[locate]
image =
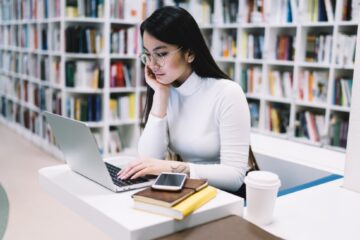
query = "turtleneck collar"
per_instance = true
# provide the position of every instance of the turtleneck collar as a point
(190, 86)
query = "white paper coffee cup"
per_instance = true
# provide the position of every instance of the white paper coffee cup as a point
(261, 193)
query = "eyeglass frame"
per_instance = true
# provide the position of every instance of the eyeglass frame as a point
(157, 58)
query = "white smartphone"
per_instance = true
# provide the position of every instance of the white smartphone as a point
(169, 181)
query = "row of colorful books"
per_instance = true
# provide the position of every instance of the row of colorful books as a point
(25, 9)
(345, 50)
(85, 8)
(251, 80)
(177, 205)
(84, 107)
(339, 127)
(310, 125)
(342, 92)
(125, 41)
(132, 10)
(313, 86)
(84, 75)
(318, 48)
(254, 113)
(277, 117)
(80, 39)
(122, 107)
(121, 75)
(285, 49)
(228, 44)
(280, 84)
(252, 46)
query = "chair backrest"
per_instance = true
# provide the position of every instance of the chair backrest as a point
(252, 161)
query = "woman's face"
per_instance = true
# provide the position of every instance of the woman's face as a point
(175, 65)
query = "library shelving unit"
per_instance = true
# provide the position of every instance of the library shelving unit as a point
(76, 58)
(294, 60)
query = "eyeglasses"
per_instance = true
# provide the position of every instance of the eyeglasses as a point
(158, 58)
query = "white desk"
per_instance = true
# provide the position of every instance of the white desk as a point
(113, 212)
(327, 211)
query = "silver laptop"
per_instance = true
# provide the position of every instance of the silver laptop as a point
(82, 155)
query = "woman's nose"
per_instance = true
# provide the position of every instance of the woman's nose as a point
(153, 65)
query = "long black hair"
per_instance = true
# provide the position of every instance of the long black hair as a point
(174, 25)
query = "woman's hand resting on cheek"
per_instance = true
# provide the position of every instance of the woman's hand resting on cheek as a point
(161, 93)
(150, 79)
(151, 166)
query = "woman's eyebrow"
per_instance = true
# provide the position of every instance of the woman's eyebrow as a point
(157, 48)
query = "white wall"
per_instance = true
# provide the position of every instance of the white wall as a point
(352, 162)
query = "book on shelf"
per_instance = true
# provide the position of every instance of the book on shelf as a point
(125, 40)
(254, 113)
(131, 10)
(252, 46)
(345, 50)
(316, 10)
(85, 8)
(318, 48)
(277, 117)
(115, 143)
(338, 131)
(121, 75)
(285, 48)
(55, 70)
(169, 198)
(182, 209)
(310, 125)
(228, 44)
(203, 10)
(313, 86)
(81, 39)
(84, 107)
(99, 140)
(84, 74)
(280, 84)
(251, 80)
(280, 11)
(122, 107)
(342, 92)
(350, 10)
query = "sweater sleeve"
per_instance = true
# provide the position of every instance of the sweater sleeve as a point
(154, 139)
(234, 128)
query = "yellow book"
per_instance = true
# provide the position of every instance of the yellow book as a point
(244, 46)
(95, 79)
(132, 106)
(275, 121)
(311, 82)
(271, 84)
(71, 11)
(78, 109)
(182, 209)
(113, 105)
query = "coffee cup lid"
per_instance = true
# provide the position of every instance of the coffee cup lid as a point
(262, 179)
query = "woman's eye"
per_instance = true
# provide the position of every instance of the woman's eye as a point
(163, 54)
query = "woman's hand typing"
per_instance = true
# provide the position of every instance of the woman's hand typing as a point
(151, 166)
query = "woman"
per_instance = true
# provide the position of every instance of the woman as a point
(192, 107)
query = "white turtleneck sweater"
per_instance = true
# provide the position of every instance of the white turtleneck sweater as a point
(208, 125)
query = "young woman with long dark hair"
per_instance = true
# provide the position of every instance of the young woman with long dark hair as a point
(192, 108)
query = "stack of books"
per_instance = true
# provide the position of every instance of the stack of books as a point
(179, 204)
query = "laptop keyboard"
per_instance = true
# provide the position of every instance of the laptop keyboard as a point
(113, 170)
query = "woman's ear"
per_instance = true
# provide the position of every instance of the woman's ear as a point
(191, 56)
